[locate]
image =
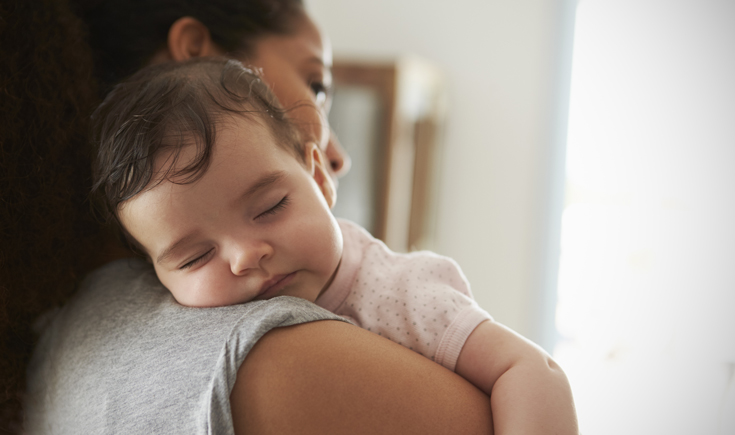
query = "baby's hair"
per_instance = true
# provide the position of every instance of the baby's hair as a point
(168, 107)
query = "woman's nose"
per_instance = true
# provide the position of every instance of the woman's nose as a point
(248, 256)
(339, 160)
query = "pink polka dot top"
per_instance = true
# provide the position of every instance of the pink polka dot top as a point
(419, 300)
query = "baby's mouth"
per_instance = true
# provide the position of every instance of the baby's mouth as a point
(271, 287)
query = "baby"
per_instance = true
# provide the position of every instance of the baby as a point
(213, 185)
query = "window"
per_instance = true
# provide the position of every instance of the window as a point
(646, 295)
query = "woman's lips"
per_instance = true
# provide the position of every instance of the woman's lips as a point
(271, 287)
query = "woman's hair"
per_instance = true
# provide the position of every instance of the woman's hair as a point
(48, 237)
(168, 107)
(125, 34)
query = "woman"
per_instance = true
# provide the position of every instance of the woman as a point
(107, 354)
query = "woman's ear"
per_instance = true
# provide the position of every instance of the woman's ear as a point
(189, 38)
(315, 164)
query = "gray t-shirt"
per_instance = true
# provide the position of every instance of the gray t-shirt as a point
(124, 358)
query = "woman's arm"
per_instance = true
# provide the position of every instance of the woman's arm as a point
(332, 377)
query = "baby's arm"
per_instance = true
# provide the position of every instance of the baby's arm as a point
(529, 393)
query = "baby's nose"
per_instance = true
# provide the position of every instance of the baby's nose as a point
(248, 256)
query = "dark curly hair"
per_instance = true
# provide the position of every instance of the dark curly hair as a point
(171, 106)
(48, 238)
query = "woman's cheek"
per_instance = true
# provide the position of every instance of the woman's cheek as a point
(326, 131)
(312, 123)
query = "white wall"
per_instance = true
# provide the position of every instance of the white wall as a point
(503, 61)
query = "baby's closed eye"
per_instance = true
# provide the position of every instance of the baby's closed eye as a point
(197, 260)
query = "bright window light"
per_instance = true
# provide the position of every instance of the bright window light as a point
(646, 294)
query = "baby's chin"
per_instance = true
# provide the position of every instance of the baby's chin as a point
(297, 293)
(205, 302)
(310, 294)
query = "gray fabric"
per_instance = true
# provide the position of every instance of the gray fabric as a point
(124, 358)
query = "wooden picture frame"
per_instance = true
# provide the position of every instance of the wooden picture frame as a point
(389, 117)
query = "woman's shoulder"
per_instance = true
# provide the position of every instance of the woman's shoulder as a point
(330, 377)
(123, 280)
(123, 356)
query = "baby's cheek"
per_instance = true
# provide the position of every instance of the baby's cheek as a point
(166, 280)
(205, 289)
(178, 290)
(332, 246)
(187, 289)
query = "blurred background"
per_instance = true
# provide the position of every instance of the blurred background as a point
(577, 158)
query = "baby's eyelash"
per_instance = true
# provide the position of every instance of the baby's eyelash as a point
(276, 208)
(196, 261)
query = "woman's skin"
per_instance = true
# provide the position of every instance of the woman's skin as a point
(329, 377)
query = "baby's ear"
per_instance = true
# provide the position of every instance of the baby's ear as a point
(315, 164)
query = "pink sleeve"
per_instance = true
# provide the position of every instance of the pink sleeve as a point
(423, 302)
(458, 313)
(456, 335)
(419, 300)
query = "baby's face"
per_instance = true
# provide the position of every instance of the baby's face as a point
(256, 225)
